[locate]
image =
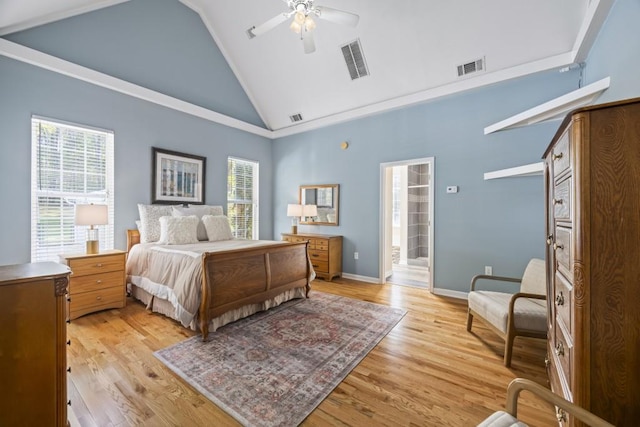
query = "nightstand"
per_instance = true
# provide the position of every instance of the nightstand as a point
(97, 282)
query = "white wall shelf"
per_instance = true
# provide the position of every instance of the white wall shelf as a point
(526, 170)
(555, 109)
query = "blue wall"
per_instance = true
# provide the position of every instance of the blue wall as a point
(138, 125)
(498, 222)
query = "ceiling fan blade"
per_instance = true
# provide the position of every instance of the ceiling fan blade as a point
(337, 16)
(270, 24)
(307, 41)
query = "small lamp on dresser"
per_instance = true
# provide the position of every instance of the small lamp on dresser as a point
(92, 215)
(309, 211)
(294, 211)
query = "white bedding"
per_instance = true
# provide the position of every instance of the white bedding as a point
(174, 272)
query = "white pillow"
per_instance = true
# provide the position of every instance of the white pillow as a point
(217, 227)
(150, 221)
(199, 211)
(178, 230)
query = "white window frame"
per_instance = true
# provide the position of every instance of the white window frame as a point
(67, 241)
(254, 201)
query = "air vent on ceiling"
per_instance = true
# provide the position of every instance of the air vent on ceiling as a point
(471, 67)
(354, 58)
(296, 118)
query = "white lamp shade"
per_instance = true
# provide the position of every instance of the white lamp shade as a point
(92, 214)
(309, 210)
(294, 210)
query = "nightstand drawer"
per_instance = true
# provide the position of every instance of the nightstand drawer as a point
(93, 265)
(88, 302)
(96, 282)
(316, 255)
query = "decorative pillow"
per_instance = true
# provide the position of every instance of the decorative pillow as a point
(199, 211)
(178, 230)
(217, 227)
(150, 221)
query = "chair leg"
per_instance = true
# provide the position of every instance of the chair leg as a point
(508, 347)
(469, 320)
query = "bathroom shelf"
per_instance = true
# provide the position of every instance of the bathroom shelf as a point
(526, 170)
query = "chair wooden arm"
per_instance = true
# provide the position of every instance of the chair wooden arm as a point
(519, 384)
(496, 278)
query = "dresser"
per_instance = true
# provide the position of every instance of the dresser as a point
(592, 181)
(325, 252)
(97, 282)
(33, 344)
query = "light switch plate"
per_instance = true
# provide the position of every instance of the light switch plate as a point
(452, 189)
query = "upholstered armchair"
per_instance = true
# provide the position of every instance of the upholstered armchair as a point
(523, 313)
(509, 417)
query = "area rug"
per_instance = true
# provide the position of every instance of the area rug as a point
(275, 367)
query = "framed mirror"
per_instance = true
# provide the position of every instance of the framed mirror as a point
(326, 198)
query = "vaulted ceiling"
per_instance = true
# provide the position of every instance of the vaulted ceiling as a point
(412, 49)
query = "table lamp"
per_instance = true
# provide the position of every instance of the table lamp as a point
(309, 211)
(295, 212)
(91, 215)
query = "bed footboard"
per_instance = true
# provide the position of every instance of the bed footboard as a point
(233, 279)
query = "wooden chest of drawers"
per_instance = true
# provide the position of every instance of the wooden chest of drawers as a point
(592, 181)
(33, 344)
(325, 252)
(97, 282)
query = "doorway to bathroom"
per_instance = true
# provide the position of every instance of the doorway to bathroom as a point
(407, 222)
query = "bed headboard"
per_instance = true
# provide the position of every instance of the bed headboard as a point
(133, 238)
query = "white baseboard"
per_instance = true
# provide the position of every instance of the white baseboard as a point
(361, 278)
(450, 293)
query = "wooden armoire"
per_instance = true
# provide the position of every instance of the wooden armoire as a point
(33, 344)
(592, 180)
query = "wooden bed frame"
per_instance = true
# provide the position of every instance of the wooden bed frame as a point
(235, 278)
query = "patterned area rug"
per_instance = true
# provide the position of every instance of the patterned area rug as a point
(275, 367)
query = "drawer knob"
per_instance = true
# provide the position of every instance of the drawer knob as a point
(98, 281)
(69, 402)
(559, 349)
(561, 415)
(68, 342)
(547, 362)
(69, 369)
(68, 321)
(98, 298)
(557, 201)
(549, 239)
(99, 265)
(556, 156)
(560, 299)
(558, 246)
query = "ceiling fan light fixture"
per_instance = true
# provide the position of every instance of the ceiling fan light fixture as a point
(309, 24)
(295, 27)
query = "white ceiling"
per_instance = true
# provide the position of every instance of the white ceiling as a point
(412, 48)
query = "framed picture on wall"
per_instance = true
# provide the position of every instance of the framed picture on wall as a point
(177, 177)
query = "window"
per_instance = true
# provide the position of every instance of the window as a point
(70, 165)
(242, 198)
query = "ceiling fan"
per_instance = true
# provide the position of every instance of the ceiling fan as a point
(303, 23)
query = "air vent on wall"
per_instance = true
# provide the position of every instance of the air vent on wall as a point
(354, 58)
(471, 67)
(296, 118)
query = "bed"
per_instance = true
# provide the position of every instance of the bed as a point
(206, 285)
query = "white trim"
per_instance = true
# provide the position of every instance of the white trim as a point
(526, 170)
(554, 109)
(383, 218)
(56, 16)
(367, 279)
(193, 5)
(52, 63)
(450, 293)
(596, 14)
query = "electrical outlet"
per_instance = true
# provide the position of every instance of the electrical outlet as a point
(355, 255)
(488, 270)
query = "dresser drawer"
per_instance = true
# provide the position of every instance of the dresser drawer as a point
(95, 282)
(563, 351)
(562, 247)
(563, 300)
(319, 244)
(295, 239)
(320, 266)
(93, 265)
(562, 200)
(560, 155)
(88, 302)
(317, 255)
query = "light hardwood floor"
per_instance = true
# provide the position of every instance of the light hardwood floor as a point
(428, 371)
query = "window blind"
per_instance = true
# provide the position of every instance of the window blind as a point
(70, 165)
(242, 197)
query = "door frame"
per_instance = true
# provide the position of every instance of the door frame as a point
(384, 217)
